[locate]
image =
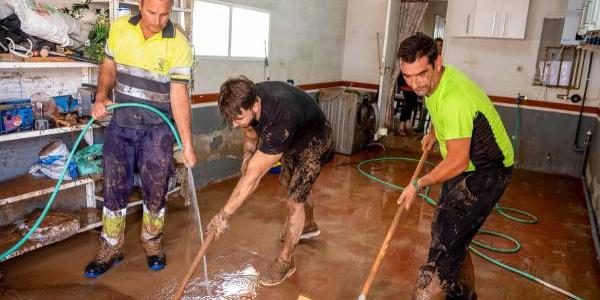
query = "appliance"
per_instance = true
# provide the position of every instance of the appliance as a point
(352, 116)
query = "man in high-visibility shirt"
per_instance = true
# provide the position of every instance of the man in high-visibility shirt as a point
(475, 170)
(147, 61)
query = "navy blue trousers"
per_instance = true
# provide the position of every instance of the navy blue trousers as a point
(150, 151)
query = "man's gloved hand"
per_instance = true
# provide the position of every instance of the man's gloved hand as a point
(219, 223)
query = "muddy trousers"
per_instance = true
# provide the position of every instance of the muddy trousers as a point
(150, 152)
(464, 205)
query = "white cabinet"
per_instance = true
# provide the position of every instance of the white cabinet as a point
(490, 18)
(513, 19)
(487, 16)
(463, 13)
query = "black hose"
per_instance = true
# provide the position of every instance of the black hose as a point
(587, 81)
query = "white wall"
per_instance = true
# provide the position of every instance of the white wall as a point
(506, 67)
(307, 45)
(364, 20)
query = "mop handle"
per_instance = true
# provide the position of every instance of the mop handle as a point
(390, 233)
(197, 259)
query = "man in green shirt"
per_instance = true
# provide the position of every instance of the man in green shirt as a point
(475, 170)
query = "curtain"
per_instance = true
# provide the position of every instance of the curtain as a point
(411, 14)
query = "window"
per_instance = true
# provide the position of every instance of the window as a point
(439, 25)
(230, 31)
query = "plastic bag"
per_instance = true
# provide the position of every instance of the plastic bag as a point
(54, 27)
(53, 158)
(89, 160)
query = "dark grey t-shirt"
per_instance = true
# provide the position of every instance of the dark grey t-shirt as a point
(289, 118)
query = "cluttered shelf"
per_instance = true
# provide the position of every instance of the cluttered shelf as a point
(42, 115)
(26, 186)
(60, 226)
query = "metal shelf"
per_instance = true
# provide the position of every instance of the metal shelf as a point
(26, 187)
(38, 133)
(45, 65)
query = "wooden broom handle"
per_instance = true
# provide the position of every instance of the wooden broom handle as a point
(390, 233)
(195, 263)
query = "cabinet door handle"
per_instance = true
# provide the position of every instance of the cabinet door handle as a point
(493, 24)
(468, 21)
(505, 21)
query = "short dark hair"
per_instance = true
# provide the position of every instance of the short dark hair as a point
(439, 39)
(417, 46)
(235, 94)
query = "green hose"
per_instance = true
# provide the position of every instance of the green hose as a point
(515, 143)
(501, 210)
(37, 223)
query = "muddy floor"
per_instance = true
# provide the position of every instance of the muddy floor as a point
(353, 214)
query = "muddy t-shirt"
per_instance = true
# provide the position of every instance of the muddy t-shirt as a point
(289, 118)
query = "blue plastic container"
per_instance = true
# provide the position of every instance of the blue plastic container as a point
(65, 104)
(15, 115)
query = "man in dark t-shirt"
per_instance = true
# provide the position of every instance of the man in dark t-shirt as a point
(280, 122)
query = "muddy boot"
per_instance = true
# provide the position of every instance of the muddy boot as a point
(277, 272)
(107, 257)
(112, 239)
(152, 231)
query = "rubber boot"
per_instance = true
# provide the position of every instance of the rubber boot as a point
(112, 239)
(152, 232)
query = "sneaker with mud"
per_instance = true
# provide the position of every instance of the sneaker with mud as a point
(310, 231)
(277, 272)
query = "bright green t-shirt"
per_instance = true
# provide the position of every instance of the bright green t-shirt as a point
(460, 109)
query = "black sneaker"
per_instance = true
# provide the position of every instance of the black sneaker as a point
(156, 263)
(97, 268)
